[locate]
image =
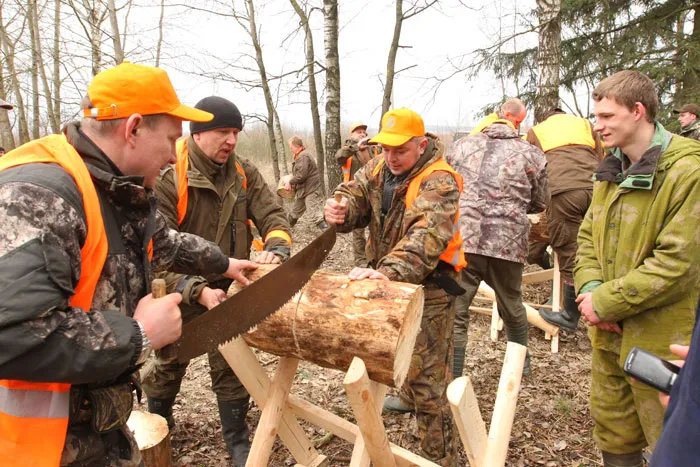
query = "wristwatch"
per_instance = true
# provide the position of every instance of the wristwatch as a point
(145, 346)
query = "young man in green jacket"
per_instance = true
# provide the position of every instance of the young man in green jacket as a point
(638, 259)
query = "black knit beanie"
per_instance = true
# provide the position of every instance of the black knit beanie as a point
(226, 115)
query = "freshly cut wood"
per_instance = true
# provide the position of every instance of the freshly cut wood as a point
(333, 319)
(153, 438)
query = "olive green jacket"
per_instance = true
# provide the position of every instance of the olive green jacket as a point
(639, 246)
(218, 208)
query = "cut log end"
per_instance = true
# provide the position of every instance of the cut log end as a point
(152, 437)
(408, 336)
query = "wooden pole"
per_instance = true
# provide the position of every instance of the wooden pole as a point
(275, 403)
(533, 316)
(369, 420)
(504, 408)
(465, 409)
(152, 437)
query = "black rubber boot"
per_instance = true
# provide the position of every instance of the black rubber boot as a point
(519, 335)
(458, 362)
(164, 408)
(568, 317)
(234, 429)
(633, 459)
(394, 404)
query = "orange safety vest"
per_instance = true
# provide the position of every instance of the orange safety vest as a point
(453, 254)
(181, 167)
(346, 169)
(34, 416)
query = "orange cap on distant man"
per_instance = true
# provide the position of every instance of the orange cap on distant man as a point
(357, 125)
(129, 88)
(399, 126)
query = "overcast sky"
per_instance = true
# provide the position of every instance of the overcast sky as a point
(201, 41)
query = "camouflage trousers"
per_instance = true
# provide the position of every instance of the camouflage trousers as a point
(313, 202)
(86, 448)
(359, 242)
(627, 415)
(565, 213)
(162, 377)
(428, 376)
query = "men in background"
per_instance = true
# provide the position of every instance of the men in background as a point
(504, 180)
(688, 118)
(75, 265)
(573, 151)
(409, 198)
(513, 110)
(306, 183)
(221, 192)
(638, 259)
(354, 154)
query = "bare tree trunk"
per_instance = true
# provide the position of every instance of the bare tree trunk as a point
(313, 95)
(333, 141)
(391, 60)
(95, 41)
(6, 138)
(8, 48)
(56, 122)
(160, 31)
(548, 57)
(116, 37)
(53, 119)
(279, 139)
(253, 31)
(32, 14)
(690, 84)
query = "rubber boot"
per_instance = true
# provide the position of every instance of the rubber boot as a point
(568, 317)
(458, 362)
(519, 335)
(164, 408)
(633, 459)
(234, 429)
(394, 404)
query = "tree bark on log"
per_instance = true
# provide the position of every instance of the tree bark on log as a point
(153, 438)
(333, 319)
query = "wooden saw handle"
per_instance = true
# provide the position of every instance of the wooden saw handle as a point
(168, 352)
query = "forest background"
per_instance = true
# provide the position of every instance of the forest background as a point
(313, 67)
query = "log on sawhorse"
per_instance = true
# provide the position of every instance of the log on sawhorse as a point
(488, 450)
(281, 409)
(533, 316)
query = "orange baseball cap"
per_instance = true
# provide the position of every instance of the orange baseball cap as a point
(357, 125)
(398, 126)
(128, 89)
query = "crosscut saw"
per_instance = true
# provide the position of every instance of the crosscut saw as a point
(240, 312)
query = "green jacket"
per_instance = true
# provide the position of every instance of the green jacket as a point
(218, 208)
(639, 246)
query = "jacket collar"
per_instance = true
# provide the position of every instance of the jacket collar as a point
(616, 167)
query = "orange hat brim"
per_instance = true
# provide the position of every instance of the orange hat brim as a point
(190, 114)
(391, 139)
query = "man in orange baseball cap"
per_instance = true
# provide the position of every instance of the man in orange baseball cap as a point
(76, 262)
(409, 198)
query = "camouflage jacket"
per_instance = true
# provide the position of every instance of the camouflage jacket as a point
(405, 244)
(692, 131)
(44, 226)
(304, 174)
(218, 207)
(504, 180)
(639, 248)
